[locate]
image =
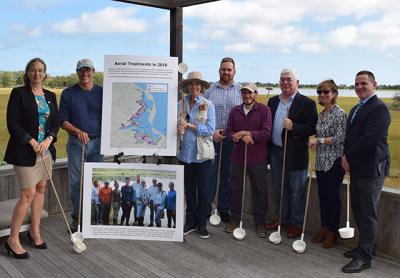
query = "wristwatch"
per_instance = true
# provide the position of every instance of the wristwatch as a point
(51, 137)
(321, 140)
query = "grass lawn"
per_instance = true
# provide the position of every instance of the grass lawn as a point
(345, 102)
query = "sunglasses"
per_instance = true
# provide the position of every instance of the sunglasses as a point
(325, 92)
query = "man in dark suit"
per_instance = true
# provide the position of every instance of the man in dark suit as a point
(297, 115)
(366, 158)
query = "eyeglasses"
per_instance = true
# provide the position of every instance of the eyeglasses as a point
(325, 92)
(84, 69)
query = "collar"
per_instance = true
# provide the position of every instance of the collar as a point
(218, 84)
(368, 98)
(291, 98)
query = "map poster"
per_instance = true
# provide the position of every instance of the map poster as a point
(139, 105)
(133, 201)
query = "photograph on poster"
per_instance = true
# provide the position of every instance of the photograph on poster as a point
(139, 105)
(133, 201)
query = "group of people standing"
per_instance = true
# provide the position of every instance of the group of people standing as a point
(134, 196)
(280, 134)
(224, 121)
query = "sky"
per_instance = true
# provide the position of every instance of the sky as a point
(319, 38)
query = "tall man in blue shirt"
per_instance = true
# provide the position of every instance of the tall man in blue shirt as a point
(224, 94)
(80, 115)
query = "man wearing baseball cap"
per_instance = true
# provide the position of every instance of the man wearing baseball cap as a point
(80, 115)
(249, 126)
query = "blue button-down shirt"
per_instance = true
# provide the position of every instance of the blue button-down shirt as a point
(188, 147)
(281, 112)
(152, 192)
(224, 100)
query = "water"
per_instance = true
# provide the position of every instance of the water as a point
(342, 92)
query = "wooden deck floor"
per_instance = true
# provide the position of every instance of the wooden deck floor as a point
(218, 256)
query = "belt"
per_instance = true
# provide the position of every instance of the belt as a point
(92, 137)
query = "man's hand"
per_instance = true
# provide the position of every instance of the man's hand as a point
(287, 123)
(218, 135)
(345, 164)
(82, 136)
(247, 139)
(237, 136)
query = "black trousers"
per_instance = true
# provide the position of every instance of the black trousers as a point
(258, 179)
(365, 194)
(126, 211)
(330, 198)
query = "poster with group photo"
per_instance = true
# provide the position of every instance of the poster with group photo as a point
(139, 105)
(133, 201)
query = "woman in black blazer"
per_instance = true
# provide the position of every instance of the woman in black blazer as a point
(32, 121)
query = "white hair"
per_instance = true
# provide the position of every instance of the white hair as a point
(291, 72)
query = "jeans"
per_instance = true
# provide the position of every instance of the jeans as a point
(95, 213)
(141, 210)
(225, 174)
(151, 212)
(158, 217)
(171, 214)
(116, 206)
(126, 211)
(105, 209)
(74, 151)
(294, 192)
(330, 199)
(196, 185)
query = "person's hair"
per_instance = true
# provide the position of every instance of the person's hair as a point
(227, 60)
(332, 87)
(27, 82)
(159, 184)
(292, 72)
(95, 182)
(371, 76)
(171, 183)
(127, 178)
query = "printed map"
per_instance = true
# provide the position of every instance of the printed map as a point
(139, 115)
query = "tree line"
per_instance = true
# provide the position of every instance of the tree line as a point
(10, 79)
(15, 78)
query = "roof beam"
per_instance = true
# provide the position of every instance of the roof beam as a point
(162, 4)
(167, 4)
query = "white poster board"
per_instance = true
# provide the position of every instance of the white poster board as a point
(112, 172)
(139, 105)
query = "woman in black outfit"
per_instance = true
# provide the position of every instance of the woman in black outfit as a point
(32, 121)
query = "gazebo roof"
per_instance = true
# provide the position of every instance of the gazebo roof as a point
(167, 4)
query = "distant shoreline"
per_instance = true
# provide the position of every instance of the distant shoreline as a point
(342, 92)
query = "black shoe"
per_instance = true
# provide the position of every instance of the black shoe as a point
(203, 233)
(356, 266)
(24, 255)
(38, 246)
(188, 229)
(225, 217)
(150, 225)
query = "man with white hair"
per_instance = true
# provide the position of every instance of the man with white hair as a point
(297, 115)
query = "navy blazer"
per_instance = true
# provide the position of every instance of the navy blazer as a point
(366, 147)
(23, 122)
(303, 113)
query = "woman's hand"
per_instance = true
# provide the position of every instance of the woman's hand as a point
(42, 147)
(312, 143)
(181, 130)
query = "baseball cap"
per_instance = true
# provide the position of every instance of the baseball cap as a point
(250, 86)
(84, 63)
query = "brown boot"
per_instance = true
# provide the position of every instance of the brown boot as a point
(320, 236)
(330, 240)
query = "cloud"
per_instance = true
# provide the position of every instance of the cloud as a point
(192, 46)
(305, 26)
(107, 20)
(240, 47)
